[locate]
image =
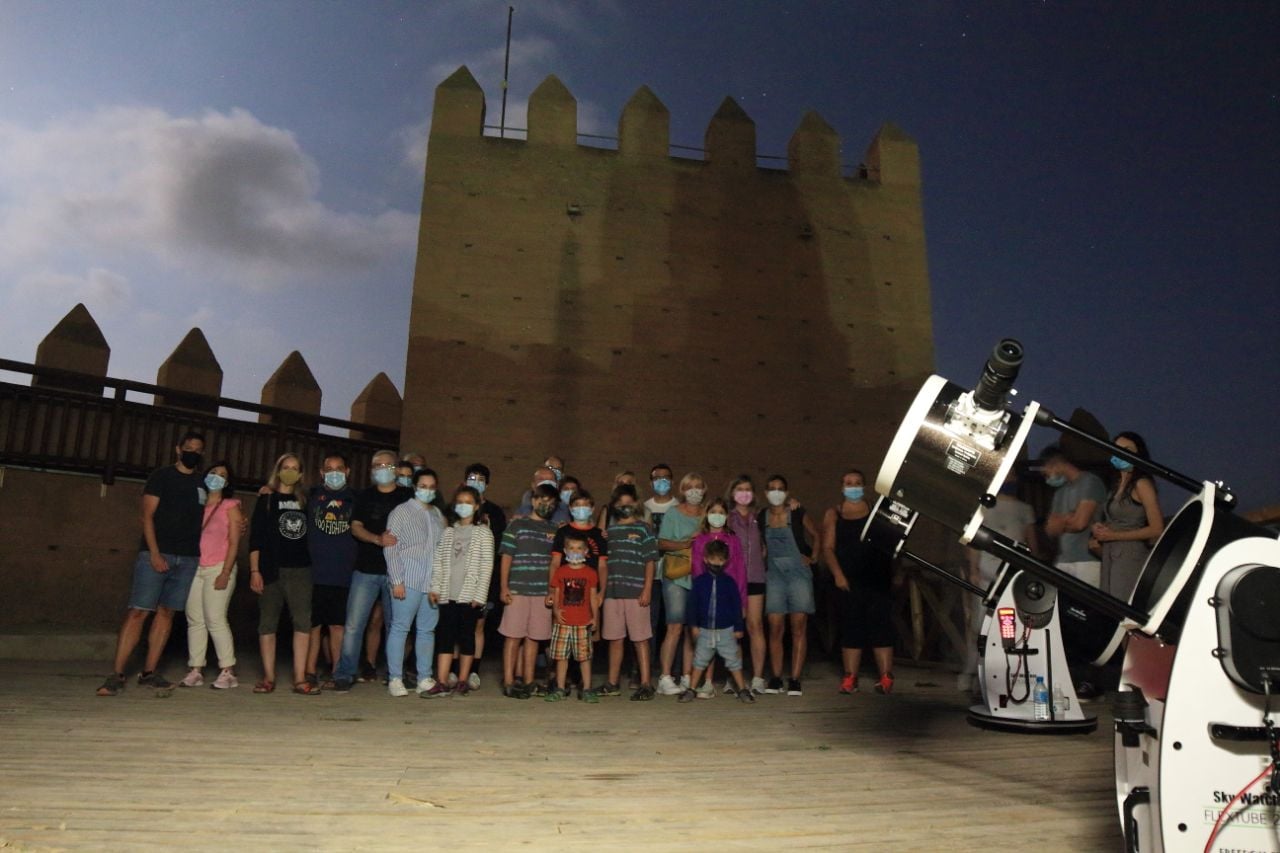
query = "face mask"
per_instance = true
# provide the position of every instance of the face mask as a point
(289, 476)
(557, 472)
(580, 513)
(662, 486)
(624, 510)
(743, 497)
(577, 558)
(404, 480)
(335, 480)
(1056, 481)
(464, 510)
(1121, 464)
(384, 476)
(191, 458)
(565, 496)
(477, 484)
(544, 510)
(694, 496)
(716, 519)
(425, 495)
(715, 568)
(417, 468)
(775, 497)
(214, 482)
(852, 493)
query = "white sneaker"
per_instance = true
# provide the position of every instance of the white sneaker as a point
(396, 687)
(473, 681)
(226, 680)
(706, 691)
(757, 686)
(453, 679)
(425, 685)
(667, 686)
(684, 682)
(195, 678)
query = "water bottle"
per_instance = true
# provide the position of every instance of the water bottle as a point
(1040, 696)
(1059, 701)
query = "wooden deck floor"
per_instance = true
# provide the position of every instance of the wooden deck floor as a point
(229, 770)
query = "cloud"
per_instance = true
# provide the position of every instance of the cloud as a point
(220, 191)
(101, 290)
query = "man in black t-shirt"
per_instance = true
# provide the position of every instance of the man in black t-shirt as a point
(172, 512)
(369, 580)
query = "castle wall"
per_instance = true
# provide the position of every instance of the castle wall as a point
(626, 307)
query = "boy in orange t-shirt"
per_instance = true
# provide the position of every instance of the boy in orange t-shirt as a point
(575, 603)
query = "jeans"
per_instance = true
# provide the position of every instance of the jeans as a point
(414, 606)
(365, 590)
(207, 617)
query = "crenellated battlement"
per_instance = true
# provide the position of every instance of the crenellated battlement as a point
(623, 305)
(814, 149)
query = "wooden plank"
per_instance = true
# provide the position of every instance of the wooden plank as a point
(203, 769)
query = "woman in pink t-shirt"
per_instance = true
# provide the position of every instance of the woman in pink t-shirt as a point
(215, 581)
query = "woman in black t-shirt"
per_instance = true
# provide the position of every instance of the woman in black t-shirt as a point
(280, 571)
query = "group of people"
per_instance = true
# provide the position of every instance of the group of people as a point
(684, 575)
(1099, 534)
(680, 574)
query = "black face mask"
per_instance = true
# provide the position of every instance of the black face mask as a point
(625, 511)
(191, 459)
(544, 510)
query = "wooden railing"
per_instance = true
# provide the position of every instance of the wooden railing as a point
(53, 428)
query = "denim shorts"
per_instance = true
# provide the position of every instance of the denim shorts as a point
(713, 641)
(674, 598)
(164, 589)
(788, 591)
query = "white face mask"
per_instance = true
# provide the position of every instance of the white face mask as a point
(716, 520)
(776, 497)
(694, 496)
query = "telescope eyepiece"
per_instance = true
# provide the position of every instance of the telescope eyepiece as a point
(998, 375)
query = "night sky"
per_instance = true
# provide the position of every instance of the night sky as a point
(1102, 181)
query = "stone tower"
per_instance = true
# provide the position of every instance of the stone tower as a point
(624, 307)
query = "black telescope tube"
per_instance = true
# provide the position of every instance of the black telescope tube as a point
(1044, 417)
(988, 540)
(998, 376)
(946, 575)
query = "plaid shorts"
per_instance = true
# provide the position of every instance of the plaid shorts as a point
(570, 641)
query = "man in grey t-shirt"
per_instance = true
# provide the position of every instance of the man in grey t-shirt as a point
(1077, 503)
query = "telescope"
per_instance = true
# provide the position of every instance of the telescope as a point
(1199, 637)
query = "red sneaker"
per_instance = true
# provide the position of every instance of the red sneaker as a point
(849, 684)
(885, 684)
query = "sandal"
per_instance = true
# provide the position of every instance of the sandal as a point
(264, 686)
(306, 688)
(113, 685)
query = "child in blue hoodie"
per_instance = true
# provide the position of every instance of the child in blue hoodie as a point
(714, 616)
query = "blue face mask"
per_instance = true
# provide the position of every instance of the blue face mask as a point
(576, 558)
(1121, 464)
(1056, 481)
(477, 484)
(214, 482)
(425, 495)
(662, 487)
(565, 496)
(404, 480)
(384, 476)
(335, 480)
(852, 493)
(580, 513)
(462, 510)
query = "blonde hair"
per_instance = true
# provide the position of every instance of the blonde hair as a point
(686, 483)
(274, 482)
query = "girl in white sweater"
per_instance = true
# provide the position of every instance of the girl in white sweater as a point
(460, 585)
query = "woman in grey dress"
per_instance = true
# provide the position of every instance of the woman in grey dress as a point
(1131, 521)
